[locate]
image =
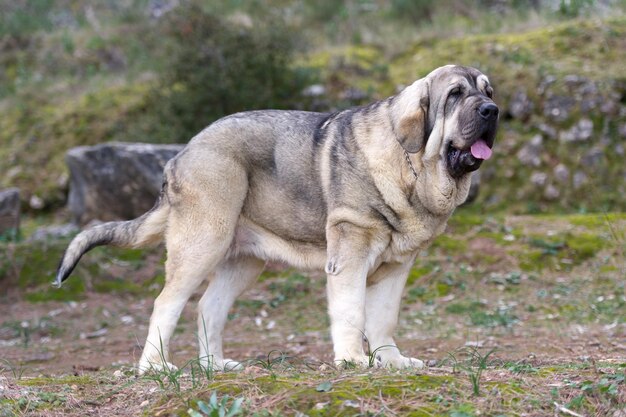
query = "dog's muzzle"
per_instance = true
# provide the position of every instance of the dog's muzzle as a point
(469, 158)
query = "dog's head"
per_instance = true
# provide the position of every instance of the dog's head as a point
(450, 112)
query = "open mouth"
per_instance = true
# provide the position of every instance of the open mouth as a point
(462, 161)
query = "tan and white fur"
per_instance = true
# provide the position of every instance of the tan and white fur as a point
(357, 193)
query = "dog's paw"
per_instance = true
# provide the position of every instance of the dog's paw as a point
(146, 366)
(360, 361)
(228, 365)
(402, 362)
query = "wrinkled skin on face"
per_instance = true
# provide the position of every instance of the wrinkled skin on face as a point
(471, 118)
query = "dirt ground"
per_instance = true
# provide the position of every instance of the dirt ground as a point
(564, 319)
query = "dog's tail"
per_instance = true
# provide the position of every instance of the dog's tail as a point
(143, 231)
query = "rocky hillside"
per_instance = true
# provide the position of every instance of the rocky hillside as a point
(562, 89)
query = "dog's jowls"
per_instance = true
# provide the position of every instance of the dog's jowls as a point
(357, 193)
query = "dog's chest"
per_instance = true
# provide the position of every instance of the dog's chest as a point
(418, 233)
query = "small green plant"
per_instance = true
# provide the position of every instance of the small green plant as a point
(325, 386)
(346, 364)
(606, 389)
(478, 365)
(521, 368)
(474, 366)
(16, 370)
(165, 375)
(206, 371)
(10, 235)
(270, 362)
(226, 407)
(372, 355)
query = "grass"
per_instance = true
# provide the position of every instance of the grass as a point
(530, 307)
(485, 386)
(518, 341)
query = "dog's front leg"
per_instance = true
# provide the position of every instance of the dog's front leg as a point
(349, 254)
(384, 294)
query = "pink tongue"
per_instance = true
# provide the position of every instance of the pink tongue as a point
(480, 150)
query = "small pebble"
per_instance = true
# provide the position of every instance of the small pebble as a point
(323, 367)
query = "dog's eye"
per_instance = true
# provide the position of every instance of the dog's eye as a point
(456, 92)
(489, 92)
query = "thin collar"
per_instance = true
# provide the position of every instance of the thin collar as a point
(408, 159)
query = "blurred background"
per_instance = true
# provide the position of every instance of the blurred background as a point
(534, 267)
(75, 72)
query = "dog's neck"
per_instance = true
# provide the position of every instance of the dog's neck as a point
(437, 191)
(408, 159)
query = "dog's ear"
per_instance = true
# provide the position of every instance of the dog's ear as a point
(410, 116)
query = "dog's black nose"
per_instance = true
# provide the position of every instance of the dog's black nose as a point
(488, 111)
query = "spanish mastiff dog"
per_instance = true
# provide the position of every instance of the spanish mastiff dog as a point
(357, 193)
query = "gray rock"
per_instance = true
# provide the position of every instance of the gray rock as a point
(580, 179)
(115, 181)
(35, 202)
(558, 108)
(530, 153)
(521, 107)
(574, 80)
(354, 94)
(593, 157)
(561, 173)
(548, 130)
(539, 178)
(159, 8)
(547, 81)
(609, 107)
(580, 132)
(9, 211)
(315, 90)
(551, 192)
(590, 104)
(622, 130)
(54, 232)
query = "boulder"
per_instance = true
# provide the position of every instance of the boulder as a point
(9, 211)
(558, 108)
(46, 233)
(530, 153)
(114, 181)
(580, 132)
(521, 107)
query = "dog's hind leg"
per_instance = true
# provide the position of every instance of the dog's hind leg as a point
(190, 260)
(231, 278)
(201, 225)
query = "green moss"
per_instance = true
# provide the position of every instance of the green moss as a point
(418, 272)
(479, 315)
(38, 134)
(531, 261)
(450, 244)
(32, 266)
(463, 221)
(464, 307)
(585, 245)
(62, 380)
(516, 62)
